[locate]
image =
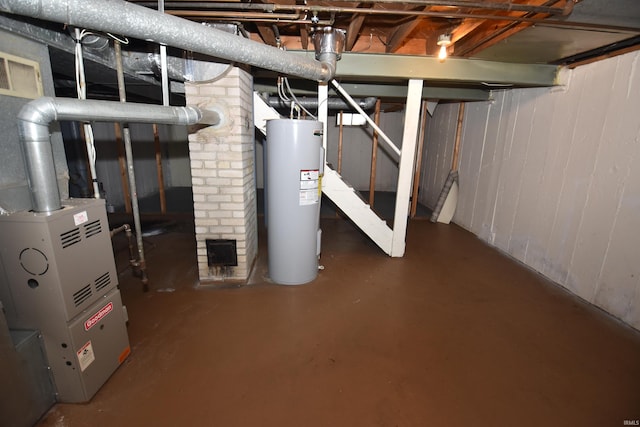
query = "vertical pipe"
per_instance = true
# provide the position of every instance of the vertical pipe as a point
(416, 173)
(323, 112)
(156, 142)
(374, 156)
(165, 101)
(132, 176)
(123, 168)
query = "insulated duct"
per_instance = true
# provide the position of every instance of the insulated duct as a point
(135, 21)
(332, 103)
(33, 127)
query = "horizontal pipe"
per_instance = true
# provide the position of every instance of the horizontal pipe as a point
(242, 17)
(332, 103)
(270, 7)
(33, 128)
(238, 16)
(131, 20)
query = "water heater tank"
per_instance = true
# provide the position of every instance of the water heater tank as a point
(294, 168)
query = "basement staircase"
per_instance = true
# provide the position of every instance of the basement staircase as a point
(345, 197)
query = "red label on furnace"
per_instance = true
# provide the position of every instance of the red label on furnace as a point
(93, 320)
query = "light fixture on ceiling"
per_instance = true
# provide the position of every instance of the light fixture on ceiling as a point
(444, 41)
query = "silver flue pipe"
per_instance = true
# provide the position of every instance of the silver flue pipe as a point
(33, 127)
(131, 20)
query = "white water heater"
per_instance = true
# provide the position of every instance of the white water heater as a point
(294, 169)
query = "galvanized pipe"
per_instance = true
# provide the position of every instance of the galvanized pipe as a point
(133, 188)
(121, 17)
(33, 127)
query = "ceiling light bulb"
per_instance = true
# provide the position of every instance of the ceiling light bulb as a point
(444, 40)
(442, 54)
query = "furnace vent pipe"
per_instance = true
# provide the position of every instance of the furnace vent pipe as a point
(33, 127)
(131, 20)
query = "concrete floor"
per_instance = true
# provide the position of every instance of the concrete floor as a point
(453, 334)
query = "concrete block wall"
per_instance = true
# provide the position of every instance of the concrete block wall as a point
(222, 171)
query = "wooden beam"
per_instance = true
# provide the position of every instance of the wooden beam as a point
(304, 36)
(489, 33)
(123, 168)
(400, 33)
(156, 142)
(267, 34)
(353, 32)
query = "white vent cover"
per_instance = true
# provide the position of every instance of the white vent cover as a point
(19, 77)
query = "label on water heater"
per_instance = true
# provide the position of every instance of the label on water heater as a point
(309, 179)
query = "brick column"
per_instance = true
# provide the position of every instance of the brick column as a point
(222, 171)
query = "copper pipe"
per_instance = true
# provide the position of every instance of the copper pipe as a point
(270, 7)
(268, 16)
(235, 15)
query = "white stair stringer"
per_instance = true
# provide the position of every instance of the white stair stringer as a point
(262, 112)
(350, 202)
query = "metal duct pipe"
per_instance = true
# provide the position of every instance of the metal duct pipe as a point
(332, 103)
(329, 43)
(33, 127)
(135, 21)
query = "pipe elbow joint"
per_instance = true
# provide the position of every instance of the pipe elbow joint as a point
(41, 111)
(328, 71)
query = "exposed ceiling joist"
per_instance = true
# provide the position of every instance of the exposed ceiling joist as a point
(353, 31)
